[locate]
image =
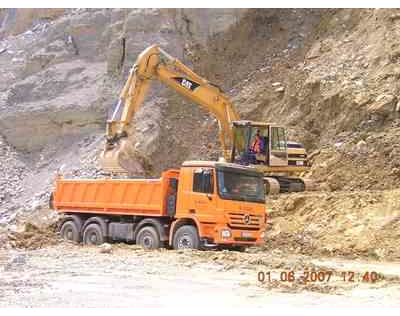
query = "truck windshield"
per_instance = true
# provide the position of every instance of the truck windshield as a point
(233, 185)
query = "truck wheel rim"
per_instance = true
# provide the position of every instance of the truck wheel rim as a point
(185, 242)
(147, 242)
(93, 238)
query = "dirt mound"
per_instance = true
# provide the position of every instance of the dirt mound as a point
(350, 224)
(338, 86)
(359, 160)
(33, 237)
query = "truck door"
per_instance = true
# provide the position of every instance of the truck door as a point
(202, 202)
(278, 146)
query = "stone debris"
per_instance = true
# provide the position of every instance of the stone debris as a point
(105, 248)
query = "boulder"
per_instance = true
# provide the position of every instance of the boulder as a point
(315, 51)
(362, 147)
(384, 105)
(105, 248)
(398, 107)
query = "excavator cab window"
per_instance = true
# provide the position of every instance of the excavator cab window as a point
(251, 145)
(259, 145)
(259, 140)
(278, 139)
(241, 135)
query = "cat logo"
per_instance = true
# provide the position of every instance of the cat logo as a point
(186, 83)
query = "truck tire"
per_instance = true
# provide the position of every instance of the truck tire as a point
(69, 231)
(186, 237)
(93, 235)
(148, 238)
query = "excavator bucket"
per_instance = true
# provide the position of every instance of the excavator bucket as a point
(122, 158)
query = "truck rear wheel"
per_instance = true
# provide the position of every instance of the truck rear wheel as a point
(186, 237)
(69, 231)
(93, 235)
(148, 238)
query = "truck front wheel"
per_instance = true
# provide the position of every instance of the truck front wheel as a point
(69, 231)
(186, 237)
(93, 235)
(147, 237)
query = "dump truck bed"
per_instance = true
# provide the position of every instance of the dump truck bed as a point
(112, 196)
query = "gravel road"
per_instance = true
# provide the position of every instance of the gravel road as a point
(68, 275)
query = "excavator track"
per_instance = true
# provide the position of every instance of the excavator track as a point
(283, 184)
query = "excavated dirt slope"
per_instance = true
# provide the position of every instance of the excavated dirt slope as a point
(350, 224)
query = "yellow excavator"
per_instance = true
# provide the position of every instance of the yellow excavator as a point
(280, 160)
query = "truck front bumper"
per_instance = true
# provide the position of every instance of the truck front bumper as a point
(228, 236)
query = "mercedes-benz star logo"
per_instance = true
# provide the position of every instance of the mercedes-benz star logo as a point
(246, 219)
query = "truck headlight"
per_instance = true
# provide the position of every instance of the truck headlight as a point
(225, 233)
(262, 235)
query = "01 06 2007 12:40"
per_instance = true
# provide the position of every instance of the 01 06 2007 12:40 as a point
(317, 276)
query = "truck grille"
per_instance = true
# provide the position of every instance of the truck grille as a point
(244, 221)
(248, 239)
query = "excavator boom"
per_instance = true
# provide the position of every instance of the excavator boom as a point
(155, 64)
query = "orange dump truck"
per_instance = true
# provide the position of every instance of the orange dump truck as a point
(203, 204)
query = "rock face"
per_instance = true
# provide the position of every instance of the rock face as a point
(200, 25)
(17, 21)
(57, 76)
(53, 103)
(61, 71)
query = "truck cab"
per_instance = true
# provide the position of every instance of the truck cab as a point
(226, 201)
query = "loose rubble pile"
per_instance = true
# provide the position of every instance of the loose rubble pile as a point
(33, 237)
(359, 160)
(12, 172)
(351, 224)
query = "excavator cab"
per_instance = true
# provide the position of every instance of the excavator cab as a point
(257, 143)
(265, 147)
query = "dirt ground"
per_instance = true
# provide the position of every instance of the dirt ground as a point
(347, 224)
(69, 275)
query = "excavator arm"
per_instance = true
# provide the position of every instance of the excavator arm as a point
(155, 64)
